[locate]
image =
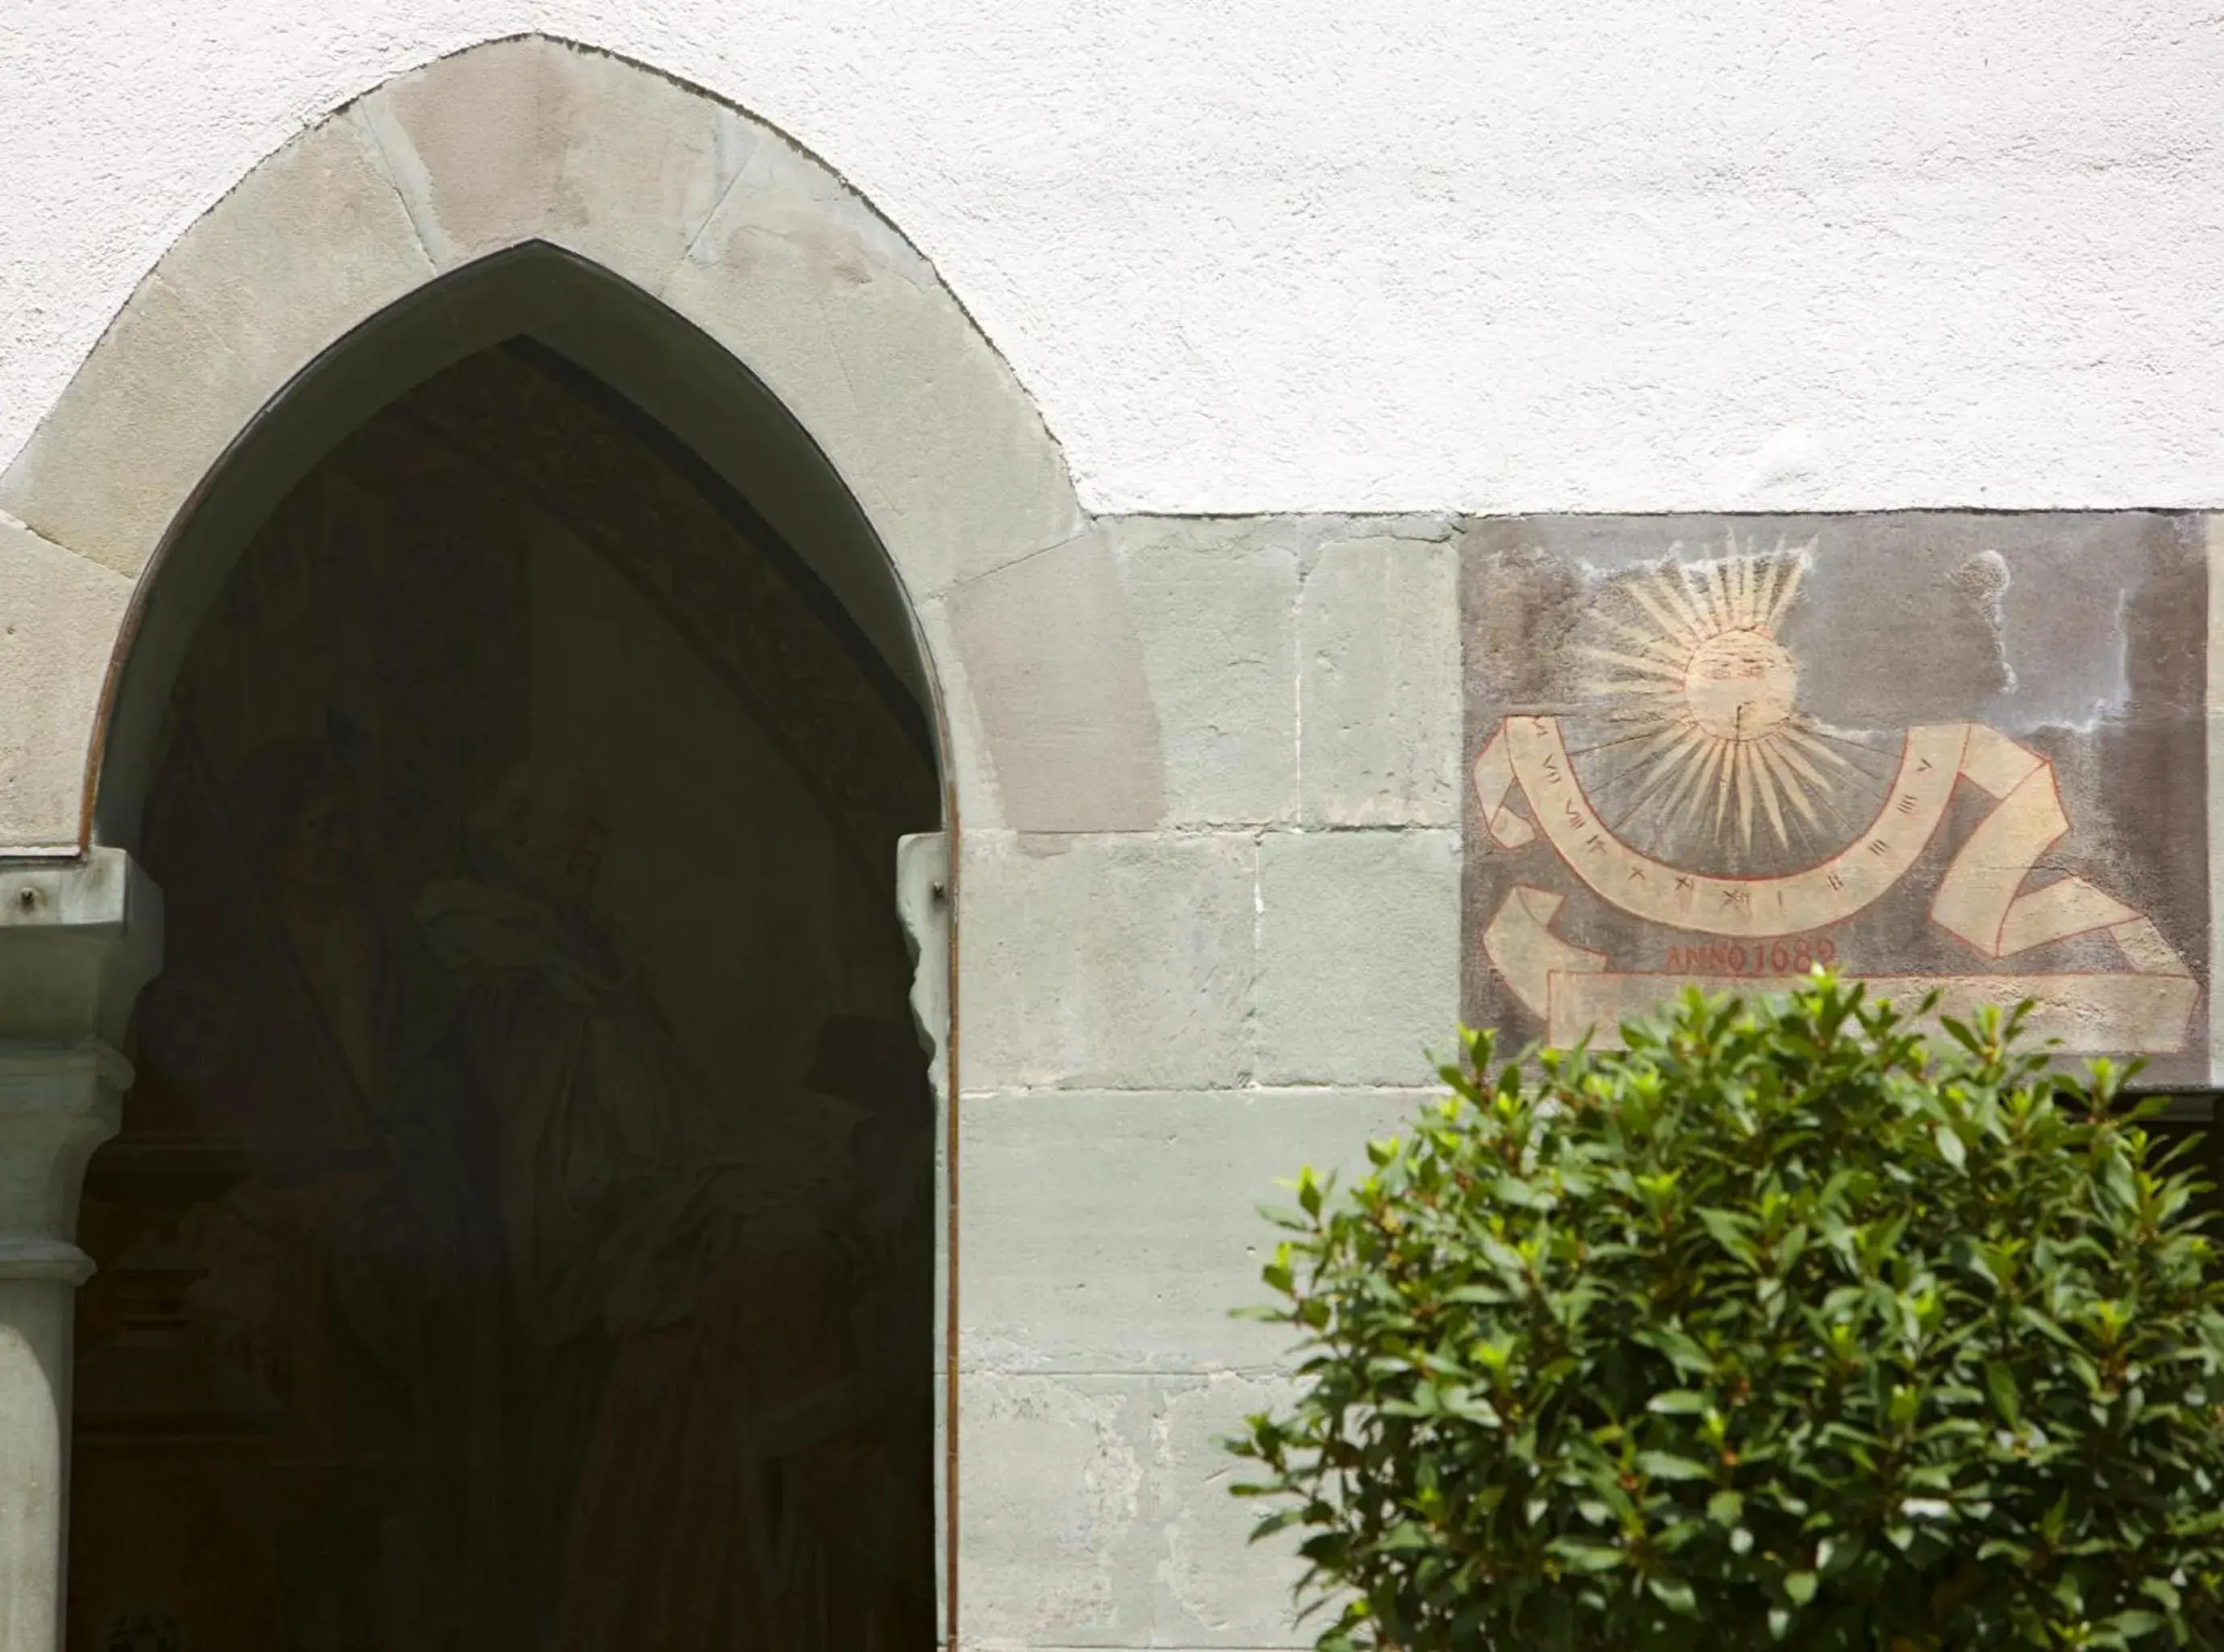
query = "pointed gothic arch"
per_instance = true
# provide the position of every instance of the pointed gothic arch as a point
(508, 152)
(694, 259)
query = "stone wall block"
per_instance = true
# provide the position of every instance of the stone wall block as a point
(1215, 1588)
(535, 139)
(1215, 602)
(1095, 1512)
(315, 241)
(311, 243)
(849, 326)
(1056, 671)
(1054, 1515)
(58, 617)
(151, 410)
(78, 939)
(2213, 726)
(1104, 963)
(965, 754)
(1377, 622)
(1358, 955)
(1115, 1231)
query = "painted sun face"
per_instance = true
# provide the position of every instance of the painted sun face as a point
(1711, 699)
(1739, 685)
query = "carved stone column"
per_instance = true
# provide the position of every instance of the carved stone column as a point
(77, 942)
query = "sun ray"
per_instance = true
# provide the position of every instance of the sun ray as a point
(1787, 781)
(1849, 825)
(1764, 601)
(1674, 617)
(1690, 584)
(1681, 809)
(1678, 745)
(1618, 792)
(1670, 775)
(1783, 605)
(1872, 763)
(1803, 740)
(1682, 804)
(1741, 765)
(1719, 782)
(1669, 648)
(1796, 760)
(1649, 744)
(1811, 790)
(1718, 593)
(1821, 730)
(1657, 729)
(1695, 704)
(1766, 782)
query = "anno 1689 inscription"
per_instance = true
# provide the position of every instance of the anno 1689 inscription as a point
(1953, 754)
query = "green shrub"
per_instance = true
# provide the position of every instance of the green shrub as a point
(1780, 1327)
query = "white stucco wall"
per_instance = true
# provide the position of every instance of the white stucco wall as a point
(1366, 254)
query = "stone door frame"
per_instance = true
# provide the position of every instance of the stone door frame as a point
(521, 147)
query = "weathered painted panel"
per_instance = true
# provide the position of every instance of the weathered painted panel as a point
(1954, 752)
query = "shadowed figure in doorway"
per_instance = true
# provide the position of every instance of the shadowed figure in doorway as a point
(413, 1267)
(706, 1439)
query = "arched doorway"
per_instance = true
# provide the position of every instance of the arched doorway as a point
(522, 1232)
(729, 284)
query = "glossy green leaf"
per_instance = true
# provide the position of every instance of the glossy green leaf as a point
(1781, 1326)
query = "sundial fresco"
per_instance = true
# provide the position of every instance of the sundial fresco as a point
(1954, 754)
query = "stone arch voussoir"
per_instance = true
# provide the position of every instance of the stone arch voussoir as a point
(722, 218)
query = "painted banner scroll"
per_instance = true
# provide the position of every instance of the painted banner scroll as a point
(1949, 753)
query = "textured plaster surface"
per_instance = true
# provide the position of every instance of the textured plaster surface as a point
(311, 243)
(1309, 254)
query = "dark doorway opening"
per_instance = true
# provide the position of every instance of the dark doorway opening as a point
(522, 1232)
